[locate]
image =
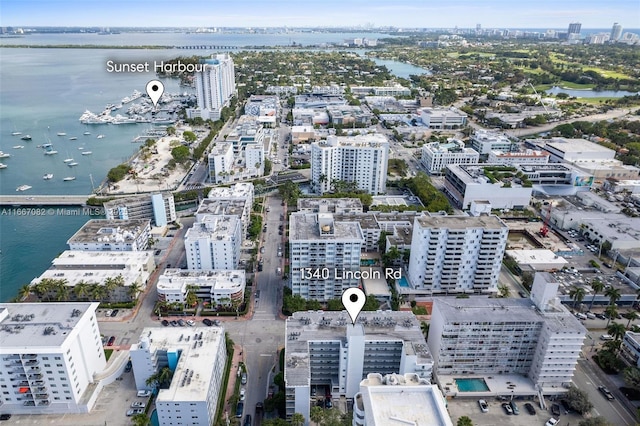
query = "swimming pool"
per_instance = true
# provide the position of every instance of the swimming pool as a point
(154, 418)
(402, 282)
(472, 385)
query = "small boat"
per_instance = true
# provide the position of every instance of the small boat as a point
(3, 155)
(3, 166)
(100, 137)
(67, 160)
(18, 146)
(16, 133)
(45, 145)
(86, 133)
(52, 152)
(48, 176)
(26, 138)
(72, 164)
(73, 138)
(87, 152)
(69, 178)
(61, 134)
(23, 187)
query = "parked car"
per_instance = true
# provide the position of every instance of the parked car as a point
(601, 316)
(239, 409)
(138, 404)
(5, 416)
(551, 422)
(108, 313)
(135, 411)
(128, 367)
(165, 323)
(111, 341)
(606, 337)
(483, 405)
(242, 394)
(115, 312)
(606, 392)
(174, 323)
(243, 380)
(590, 315)
(555, 409)
(507, 408)
(191, 323)
(181, 323)
(530, 409)
(514, 407)
(207, 322)
(247, 420)
(144, 393)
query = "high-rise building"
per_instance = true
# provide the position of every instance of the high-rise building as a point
(214, 243)
(456, 254)
(361, 160)
(616, 32)
(323, 349)
(220, 162)
(536, 338)
(574, 28)
(50, 354)
(393, 398)
(214, 87)
(436, 156)
(197, 360)
(325, 255)
(160, 208)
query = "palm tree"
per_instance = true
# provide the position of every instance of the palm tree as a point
(81, 290)
(597, 286)
(43, 288)
(110, 284)
(24, 292)
(141, 420)
(98, 292)
(424, 327)
(611, 312)
(164, 377)
(297, 419)
(133, 290)
(504, 290)
(316, 414)
(577, 294)
(613, 294)
(62, 290)
(616, 330)
(631, 316)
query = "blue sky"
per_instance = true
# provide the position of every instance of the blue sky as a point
(305, 13)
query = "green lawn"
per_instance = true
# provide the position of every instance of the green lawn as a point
(107, 353)
(607, 73)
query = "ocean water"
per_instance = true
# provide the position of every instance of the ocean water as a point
(44, 91)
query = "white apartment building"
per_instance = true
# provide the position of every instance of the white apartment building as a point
(220, 287)
(528, 156)
(197, 359)
(486, 141)
(466, 183)
(50, 354)
(456, 254)
(324, 253)
(85, 268)
(537, 338)
(361, 159)
(234, 200)
(214, 243)
(330, 205)
(220, 162)
(436, 156)
(112, 235)
(254, 160)
(630, 349)
(393, 398)
(325, 349)
(215, 86)
(159, 208)
(442, 118)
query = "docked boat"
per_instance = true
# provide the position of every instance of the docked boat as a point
(18, 146)
(100, 137)
(51, 152)
(3, 155)
(86, 133)
(73, 138)
(45, 145)
(62, 134)
(67, 160)
(16, 133)
(48, 176)
(26, 138)
(3, 166)
(23, 187)
(87, 152)
(73, 163)
(69, 178)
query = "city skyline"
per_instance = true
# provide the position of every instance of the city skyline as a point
(278, 13)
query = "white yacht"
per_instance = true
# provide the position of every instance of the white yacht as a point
(69, 178)
(100, 137)
(18, 146)
(3, 166)
(73, 163)
(87, 152)
(23, 187)
(62, 133)
(48, 176)
(3, 155)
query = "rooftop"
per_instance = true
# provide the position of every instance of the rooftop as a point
(218, 279)
(221, 148)
(303, 327)
(305, 226)
(460, 222)
(40, 327)
(219, 206)
(70, 259)
(115, 231)
(577, 146)
(374, 140)
(218, 227)
(331, 205)
(238, 190)
(199, 346)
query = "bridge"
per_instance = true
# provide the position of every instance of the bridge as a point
(44, 200)
(208, 47)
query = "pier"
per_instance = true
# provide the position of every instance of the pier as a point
(44, 200)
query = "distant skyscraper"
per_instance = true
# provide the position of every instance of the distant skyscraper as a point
(214, 87)
(575, 27)
(616, 32)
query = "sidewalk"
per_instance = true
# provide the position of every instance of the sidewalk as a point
(233, 377)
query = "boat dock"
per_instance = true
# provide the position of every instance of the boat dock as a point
(44, 200)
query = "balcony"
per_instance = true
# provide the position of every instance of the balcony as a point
(35, 376)
(29, 356)
(42, 396)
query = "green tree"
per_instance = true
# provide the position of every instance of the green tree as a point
(595, 421)
(631, 377)
(578, 400)
(141, 420)
(267, 166)
(335, 305)
(611, 312)
(180, 153)
(171, 130)
(504, 290)
(297, 419)
(464, 421)
(616, 330)
(577, 294)
(630, 316)
(424, 327)
(81, 290)
(597, 286)
(613, 294)
(189, 136)
(24, 292)
(316, 414)
(133, 290)
(371, 304)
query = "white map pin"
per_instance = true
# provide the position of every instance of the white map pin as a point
(155, 89)
(353, 300)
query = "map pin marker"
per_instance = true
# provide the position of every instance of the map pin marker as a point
(353, 300)
(155, 89)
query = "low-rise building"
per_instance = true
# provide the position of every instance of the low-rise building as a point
(302, 134)
(487, 141)
(573, 150)
(630, 349)
(442, 118)
(196, 361)
(324, 349)
(50, 356)
(112, 235)
(214, 242)
(436, 156)
(330, 205)
(219, 287)
(391, 398)
(159, 208)
(528, 156)
(538, 260)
